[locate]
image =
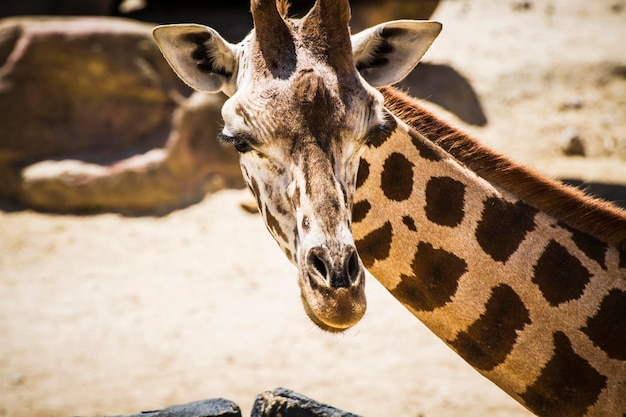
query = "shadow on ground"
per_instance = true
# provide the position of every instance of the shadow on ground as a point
(615, 193)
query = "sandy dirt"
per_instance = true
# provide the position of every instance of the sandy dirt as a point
(106, 314)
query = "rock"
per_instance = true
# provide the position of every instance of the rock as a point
(249, 206)
(94, 119)
(368, 13)
(92, 85)
(282, 402)
(218, 407)
(191, 164)
(573, 103)
(279, 402)
(96, 84)
(572, 143)
(56, 7)
(520, 5)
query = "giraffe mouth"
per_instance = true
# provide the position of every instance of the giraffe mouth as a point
(333, 308)
(324, 325)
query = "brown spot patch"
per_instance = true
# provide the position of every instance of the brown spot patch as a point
(376, 245)
(363, 173)
(607, 328)
(487, 342)
(274, 226)
(560, 276)
(296, 197)
(290, 255)
(434, 281)
(360, 210)
(568, 384)
(253, 185)
(591, 246)
(445, 201)
(426, 149)
(397, 177)
(409, 223)
(503, 227)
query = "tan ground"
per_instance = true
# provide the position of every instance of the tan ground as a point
(106, 314)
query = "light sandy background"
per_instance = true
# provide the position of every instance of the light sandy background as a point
(107, 314)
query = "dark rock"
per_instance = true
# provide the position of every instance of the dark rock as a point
(218, 407)
(282, 402)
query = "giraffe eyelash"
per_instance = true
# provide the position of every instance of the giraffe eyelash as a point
(379, 133)
(241, 143)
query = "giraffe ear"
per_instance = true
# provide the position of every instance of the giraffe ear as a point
(198, 55)
(384, 54)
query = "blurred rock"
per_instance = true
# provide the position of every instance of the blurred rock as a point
(573, 103)
(94, 119)
(81, 84)
(191, 164)
(366, 13)
(572, 143)
(521, 5)
(56, 7)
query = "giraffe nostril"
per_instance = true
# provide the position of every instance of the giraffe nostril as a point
(319, 265)
(353, 266)
(340, 268)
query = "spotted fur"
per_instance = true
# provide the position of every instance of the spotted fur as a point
(598, 218)
(519, 291)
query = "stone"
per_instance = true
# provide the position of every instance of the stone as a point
(282, 402)
(82, 84)
(218, 407)
(94, 119)
(56, 7)
(191, 164)
(572, 143)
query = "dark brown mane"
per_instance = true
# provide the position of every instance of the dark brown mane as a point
(570, 205)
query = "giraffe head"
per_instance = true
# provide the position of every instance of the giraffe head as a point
(302, 107)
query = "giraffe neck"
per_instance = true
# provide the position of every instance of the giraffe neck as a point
(598, 218)
(530, 300)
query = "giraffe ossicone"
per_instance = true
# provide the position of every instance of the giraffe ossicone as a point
(523, 277)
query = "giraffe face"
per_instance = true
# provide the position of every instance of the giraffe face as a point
(300, 141)
(302, 108)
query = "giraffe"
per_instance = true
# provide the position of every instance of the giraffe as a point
(523, 277)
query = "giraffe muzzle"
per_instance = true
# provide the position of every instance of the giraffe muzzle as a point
(333, 287)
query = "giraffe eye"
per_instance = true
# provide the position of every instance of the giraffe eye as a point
(238, 142)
